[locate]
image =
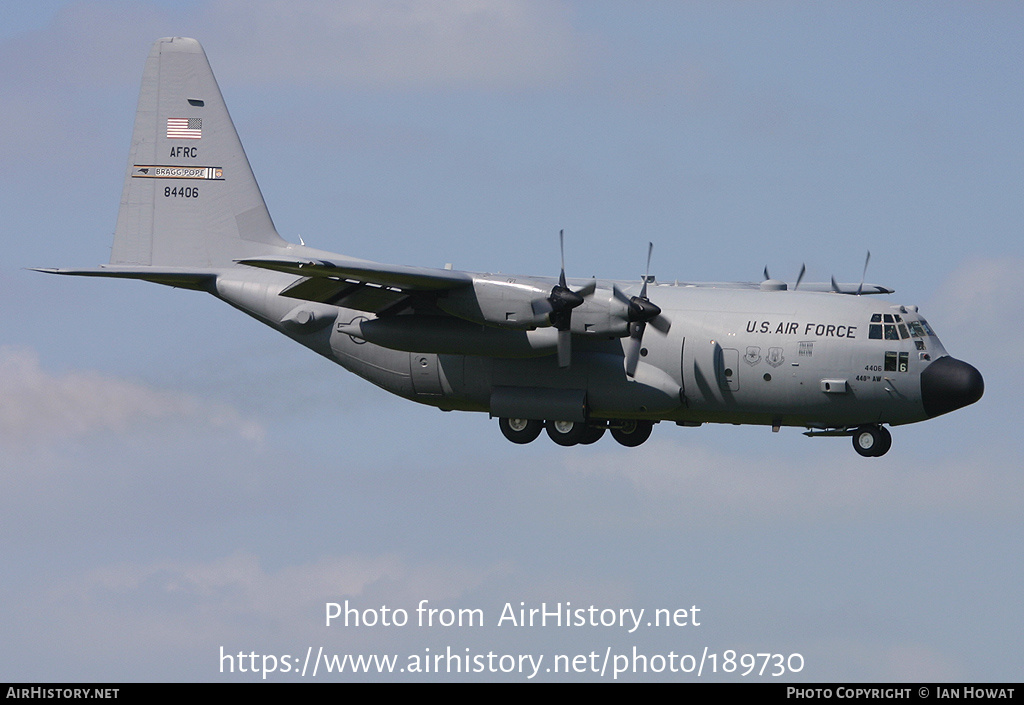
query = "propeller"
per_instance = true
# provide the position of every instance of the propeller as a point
(639, 312)
(860, 287)
(559, 305)
(863, 274)
(799, 277)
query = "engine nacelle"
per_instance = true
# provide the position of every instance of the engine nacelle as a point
(513, 303)
(602, 314)
(507, 303)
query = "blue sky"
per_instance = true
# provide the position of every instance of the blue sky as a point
(177, 478)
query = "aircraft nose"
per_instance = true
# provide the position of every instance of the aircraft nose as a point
(948, 384)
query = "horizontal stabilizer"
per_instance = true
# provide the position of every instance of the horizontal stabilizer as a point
(180, 277)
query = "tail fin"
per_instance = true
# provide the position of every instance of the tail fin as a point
(190, 198)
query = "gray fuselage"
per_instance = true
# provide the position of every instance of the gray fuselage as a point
(754, 356)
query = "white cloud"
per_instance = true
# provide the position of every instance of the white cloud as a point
(36, 404)
(451, 43)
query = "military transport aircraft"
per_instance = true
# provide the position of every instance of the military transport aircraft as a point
(574, 357)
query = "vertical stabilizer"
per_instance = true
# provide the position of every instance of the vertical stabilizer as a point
(190, 198)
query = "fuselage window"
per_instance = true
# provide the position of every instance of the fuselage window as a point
(890, 331)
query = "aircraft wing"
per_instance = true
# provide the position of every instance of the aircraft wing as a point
(361, 285)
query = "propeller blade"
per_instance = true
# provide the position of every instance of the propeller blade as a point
(639, 312)
(564, 347)
(766, 276)
(588, 289)
(800, 277)
(661, 324)
(632, 345)
(559, 305)
(561, 247)
(864, 273)
(620, 295)
(647, 271)
(835, 287)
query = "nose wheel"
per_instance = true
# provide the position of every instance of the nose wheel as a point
(872, 441)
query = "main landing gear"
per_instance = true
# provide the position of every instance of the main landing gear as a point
(872, 441)
(629, 433)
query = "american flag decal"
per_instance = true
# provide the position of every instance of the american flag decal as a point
(184, 128)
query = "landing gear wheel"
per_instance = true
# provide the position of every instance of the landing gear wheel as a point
(566, 433)
(886, 442)
(592, 435)
(632, 433)
(872, 441)
(520, 430)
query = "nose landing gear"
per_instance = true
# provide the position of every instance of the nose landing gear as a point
(872, 441)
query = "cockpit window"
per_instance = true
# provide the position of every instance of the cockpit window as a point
(891, 326)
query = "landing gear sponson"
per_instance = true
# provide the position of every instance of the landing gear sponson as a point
(629, 433)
